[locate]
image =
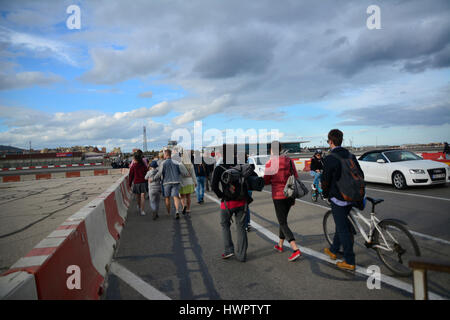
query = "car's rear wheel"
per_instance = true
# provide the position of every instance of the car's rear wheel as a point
(398, 180)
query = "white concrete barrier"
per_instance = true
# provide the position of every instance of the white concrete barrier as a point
(82, 246)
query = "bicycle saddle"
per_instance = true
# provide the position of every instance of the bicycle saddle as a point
(374, 201)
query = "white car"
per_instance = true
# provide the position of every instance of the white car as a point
(402, 168)
(260, 164)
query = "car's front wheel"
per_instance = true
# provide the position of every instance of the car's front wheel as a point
(398, 180)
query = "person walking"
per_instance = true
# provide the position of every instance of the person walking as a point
(316, 169)
(201, 171)
(154, 186)
(171, 179)
(277, 171)
(210, 163)
(247, 213)
(230, 207)
(339, 207)
(188, 182)
(446, 151)
(136, 179)
(160, 162)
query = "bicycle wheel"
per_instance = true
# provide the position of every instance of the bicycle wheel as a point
(329, 228)
(404, 247)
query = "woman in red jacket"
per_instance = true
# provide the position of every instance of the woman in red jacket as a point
(137, 177)
(278, 169)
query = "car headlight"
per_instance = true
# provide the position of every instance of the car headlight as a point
(417, 171)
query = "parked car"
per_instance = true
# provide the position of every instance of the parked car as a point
(402, 168)
(260, 163)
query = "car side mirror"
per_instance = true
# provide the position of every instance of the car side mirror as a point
(381, 161)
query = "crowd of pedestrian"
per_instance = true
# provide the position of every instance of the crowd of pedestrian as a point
(176, 181)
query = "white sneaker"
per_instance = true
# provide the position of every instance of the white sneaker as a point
(142, 213)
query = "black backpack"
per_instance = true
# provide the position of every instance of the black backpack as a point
(234, 182)
(351, 183)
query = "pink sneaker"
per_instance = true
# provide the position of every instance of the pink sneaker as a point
(227, 255)
(278, 248)
(295, 255)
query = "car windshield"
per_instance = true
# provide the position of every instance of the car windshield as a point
(260, 161)
(397, 155)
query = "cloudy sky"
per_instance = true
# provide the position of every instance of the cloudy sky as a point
(302, 67)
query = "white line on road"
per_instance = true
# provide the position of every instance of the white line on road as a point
(401, 193)
(361, 270)
(422, 235)
(137, 283)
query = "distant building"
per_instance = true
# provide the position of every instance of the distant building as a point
(290, 147)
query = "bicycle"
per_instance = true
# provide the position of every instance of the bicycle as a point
(390, 238)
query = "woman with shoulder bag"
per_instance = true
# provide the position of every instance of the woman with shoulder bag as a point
(188, 182)
(277, 172)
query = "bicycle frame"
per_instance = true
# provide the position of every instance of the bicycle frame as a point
(372, 223)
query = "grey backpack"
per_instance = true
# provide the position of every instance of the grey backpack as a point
(294, 187)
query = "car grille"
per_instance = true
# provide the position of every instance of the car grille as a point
(434, 172)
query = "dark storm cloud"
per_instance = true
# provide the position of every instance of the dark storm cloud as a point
(394, 116)
(260, 54)
(403, 44)
(238, 55)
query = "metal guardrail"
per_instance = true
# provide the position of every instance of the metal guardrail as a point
(420, 268)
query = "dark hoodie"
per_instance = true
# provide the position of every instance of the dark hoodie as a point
(332, 173)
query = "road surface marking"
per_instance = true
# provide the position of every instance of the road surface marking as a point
(137, 283)
(401, 193)
(422, 235)
(361, 270)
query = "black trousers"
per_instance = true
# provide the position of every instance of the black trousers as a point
(282, 208)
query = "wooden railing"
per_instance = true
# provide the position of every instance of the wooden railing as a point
(420, 268)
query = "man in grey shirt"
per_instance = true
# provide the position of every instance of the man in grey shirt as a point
(171, 179)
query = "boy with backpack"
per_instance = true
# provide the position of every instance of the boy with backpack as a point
(343, 184)
(234, 201)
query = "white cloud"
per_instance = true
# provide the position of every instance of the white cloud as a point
(27, 79)
(81, 127)
(216, 106)
(146, 94)
(40, 46)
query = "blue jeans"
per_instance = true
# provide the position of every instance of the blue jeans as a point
(200, 190)
(344, 232)
(155, 196)
(316, 179)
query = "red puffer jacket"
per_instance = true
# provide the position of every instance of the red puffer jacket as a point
(278, 170)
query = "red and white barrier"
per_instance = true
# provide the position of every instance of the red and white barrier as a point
(58, 175)
(81, 247)
(302, 164)
(54, 166)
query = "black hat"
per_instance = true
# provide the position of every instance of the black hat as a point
(154, 164)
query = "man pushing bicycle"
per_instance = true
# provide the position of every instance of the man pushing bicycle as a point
(343, 184)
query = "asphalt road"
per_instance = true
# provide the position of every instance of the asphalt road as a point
(30, 210)
(50, 170)
(182, 258)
